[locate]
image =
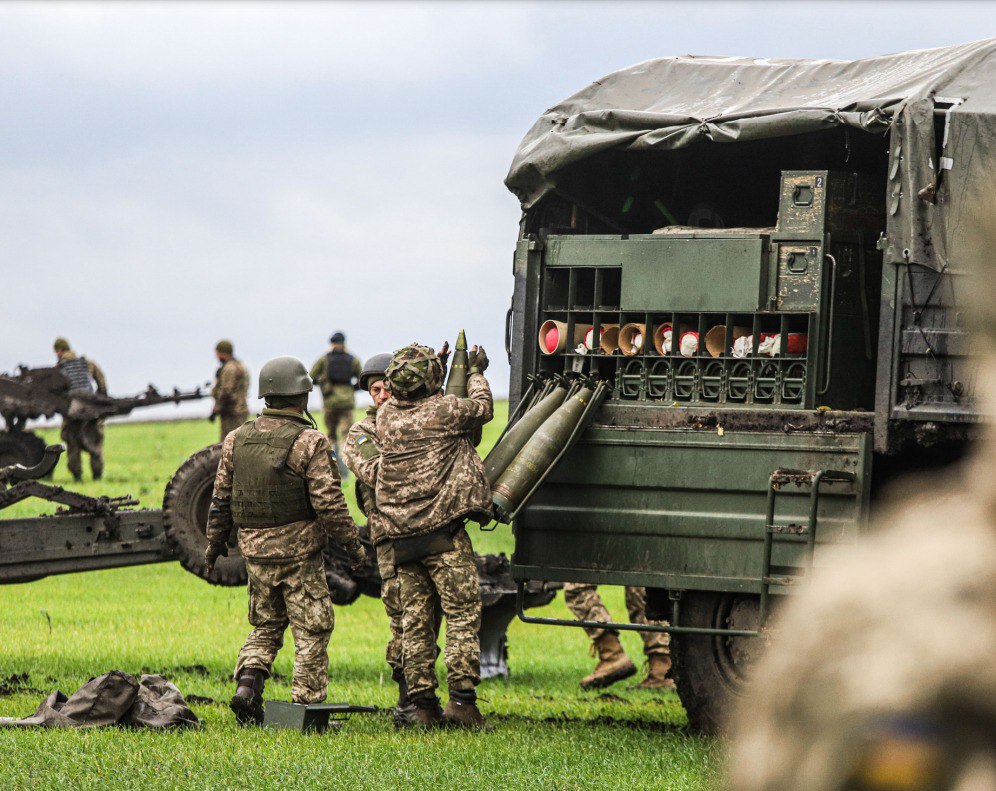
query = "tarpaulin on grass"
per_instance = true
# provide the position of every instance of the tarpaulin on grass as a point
(115, 698)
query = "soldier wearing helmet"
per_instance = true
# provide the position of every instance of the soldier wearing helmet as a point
(230, 390)
(278, 487)
(361, 455)
(81, 435)
(430, 480)
(337, 373)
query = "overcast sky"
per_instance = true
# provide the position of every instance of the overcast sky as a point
(176, 173)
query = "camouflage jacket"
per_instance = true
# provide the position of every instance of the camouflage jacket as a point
(311, 458)
(361, 455)
(429, 472)
(335, 396)
(231, 388)
(94, 369)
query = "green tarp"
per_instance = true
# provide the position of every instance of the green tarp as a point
(681, 101)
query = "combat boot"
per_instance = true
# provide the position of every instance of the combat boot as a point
(461, 710)
(613, 664)
(248, 700)
(405, 713)
(658, 668)
(428, 713)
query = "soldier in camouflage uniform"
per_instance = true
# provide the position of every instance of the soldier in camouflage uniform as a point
(277, 486)
(362, 456)
(613, 663)
(338, 375)
(230, 390)
(430, 480)
(81, 435)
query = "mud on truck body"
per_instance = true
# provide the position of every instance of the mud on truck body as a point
(761, 258)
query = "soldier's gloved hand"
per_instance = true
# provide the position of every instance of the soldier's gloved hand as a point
(357, 556)
(213, 552)
(444, 354)
(479, 361)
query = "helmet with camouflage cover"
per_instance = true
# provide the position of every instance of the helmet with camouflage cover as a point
(284, 376)
(414, 372)
(373, 369)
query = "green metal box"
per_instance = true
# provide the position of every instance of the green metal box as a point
(312, 717)
(696, 273)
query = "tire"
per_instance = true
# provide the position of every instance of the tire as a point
(710, 671)
(185, 513)
(21, 447)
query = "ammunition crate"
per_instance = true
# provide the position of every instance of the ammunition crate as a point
(808, 276)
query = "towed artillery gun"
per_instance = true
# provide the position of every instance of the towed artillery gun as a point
(35, 393)
(90, 533)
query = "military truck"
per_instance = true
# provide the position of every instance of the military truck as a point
(762, 259)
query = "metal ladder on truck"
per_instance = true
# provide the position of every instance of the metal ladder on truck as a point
(792, 532)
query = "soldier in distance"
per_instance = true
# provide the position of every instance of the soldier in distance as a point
(278, 487)
(337, 373)
(230, 389)
(430, 480)
(81, 435)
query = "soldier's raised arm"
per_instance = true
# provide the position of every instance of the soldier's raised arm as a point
(478, 407)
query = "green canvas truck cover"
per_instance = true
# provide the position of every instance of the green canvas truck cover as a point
(673, 102)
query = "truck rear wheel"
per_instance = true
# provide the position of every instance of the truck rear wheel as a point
(21, 447)
(185, 514)
(710, 671)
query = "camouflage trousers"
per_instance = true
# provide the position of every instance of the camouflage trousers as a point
(583, 600)
(338, 421)
(448, 581)
(231, 421)
(293, 593)
(84, 435)
(390, 594)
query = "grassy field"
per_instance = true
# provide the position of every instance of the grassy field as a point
(63, 630)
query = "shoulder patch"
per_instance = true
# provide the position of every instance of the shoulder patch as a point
(367, 447)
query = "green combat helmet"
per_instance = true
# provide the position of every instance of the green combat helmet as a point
(375, 368)
(284, 376)
(415, 372)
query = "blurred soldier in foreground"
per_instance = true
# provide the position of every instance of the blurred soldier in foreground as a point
(277, 485)
(430, 480)
(230, 390)
(338, 375)
(882, 675)
(81, 435)
(613, 663)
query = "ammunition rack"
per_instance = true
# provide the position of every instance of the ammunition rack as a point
(672, 378)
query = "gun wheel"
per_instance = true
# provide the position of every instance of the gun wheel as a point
(185, 513)
(710, 670)
(21, 447)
